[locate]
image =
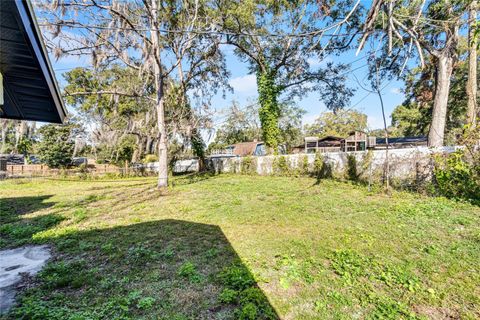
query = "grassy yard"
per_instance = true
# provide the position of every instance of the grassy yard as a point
(242, 247)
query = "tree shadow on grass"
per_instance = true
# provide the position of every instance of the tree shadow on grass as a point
(23, 205)
(167, 269)
(189, 178)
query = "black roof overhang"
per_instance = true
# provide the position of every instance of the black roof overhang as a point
(30, 88)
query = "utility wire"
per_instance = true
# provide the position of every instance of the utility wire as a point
(207, 32)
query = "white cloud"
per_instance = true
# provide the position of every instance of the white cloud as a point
(395, 91)
(245, 84)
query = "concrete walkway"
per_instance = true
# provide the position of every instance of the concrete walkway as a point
(13, 262)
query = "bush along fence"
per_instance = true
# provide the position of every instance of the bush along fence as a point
(411, 168)
(82, 171)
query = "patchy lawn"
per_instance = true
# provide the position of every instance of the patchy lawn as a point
(242, 247)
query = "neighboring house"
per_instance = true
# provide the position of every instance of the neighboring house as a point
(242, 149)
(29, 90)
(254, 148)
(402, 142)
(358, 141)
(315, 144)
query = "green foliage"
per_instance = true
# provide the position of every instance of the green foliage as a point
(243, 125)
(248, 165)
(349, 265)
(56, 145)
(269, 112)
(296, 270)
(456, 176)
(24, 145)
(237, 277)
(140, 254)
(61, 275)
(241, 290)
(150, 158)
(414, 115)
(337, 124)
(305, 168)
(198, 145)
(248, 312)
(387, 308)
(335, 249)
(240, 125)
(321, 168)
(290, 125)
(189, 271)
(352, 170)
(146, 303)
(318, 164)
(281, 166)
(228, 296)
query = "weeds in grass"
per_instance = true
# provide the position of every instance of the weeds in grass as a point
(146, 303)
(241, 291)
(189, 271)
(332, 250)
(62, 274)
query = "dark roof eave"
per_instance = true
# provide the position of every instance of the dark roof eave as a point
(29, 21)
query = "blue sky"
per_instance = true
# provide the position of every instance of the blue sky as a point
(245, 88)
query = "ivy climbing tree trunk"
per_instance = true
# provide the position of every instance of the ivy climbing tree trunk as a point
(269, 110)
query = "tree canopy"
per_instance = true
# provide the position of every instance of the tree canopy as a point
(338, 124)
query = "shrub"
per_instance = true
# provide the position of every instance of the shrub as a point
(304, 165)
(318, 164)
(457, 176)
(150, 158)
(56, 146)
(352, 172)
(248, 165)
(321, 169)
(281, 166)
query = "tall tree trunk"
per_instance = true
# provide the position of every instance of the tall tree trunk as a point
(4, 125)
(472, 66)
(162, 146)
(444, 66)
(160, 101)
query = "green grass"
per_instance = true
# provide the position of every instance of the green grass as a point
(242, 247)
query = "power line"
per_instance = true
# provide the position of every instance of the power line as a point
(208, 32)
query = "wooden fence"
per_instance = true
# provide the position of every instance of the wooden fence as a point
(43, 170)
